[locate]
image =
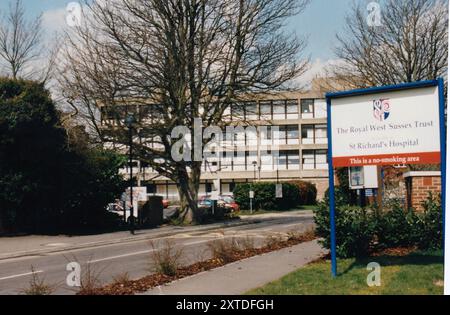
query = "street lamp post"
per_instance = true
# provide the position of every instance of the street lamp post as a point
(130, 121)
(253, 186)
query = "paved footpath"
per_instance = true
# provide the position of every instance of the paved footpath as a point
(240, 277)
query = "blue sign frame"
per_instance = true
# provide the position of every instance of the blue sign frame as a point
(382, 89)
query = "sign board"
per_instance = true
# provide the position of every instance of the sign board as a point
(361, 177)
(279, 191)
(139, 194)
(386, 128)
(389, 125)
(252, 194)
(214, 195)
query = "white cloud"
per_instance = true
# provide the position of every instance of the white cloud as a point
(54, 21)
(317, 69)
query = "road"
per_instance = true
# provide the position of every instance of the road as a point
(133, 257)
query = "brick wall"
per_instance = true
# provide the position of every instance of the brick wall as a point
(419, 185)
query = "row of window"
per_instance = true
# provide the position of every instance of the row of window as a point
(284, 160)
(248, 161)
(279, 110)
(310, 134)
(249, 111)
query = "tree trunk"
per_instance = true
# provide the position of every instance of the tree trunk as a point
(188, 187)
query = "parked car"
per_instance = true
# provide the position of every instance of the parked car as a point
(229, 203)
(224, 201)
(205, 203)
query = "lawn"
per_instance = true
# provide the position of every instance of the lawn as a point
(415, 274)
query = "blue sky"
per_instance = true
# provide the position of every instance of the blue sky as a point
(320, 21)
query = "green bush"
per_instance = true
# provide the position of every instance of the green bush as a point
(430, 234)
(397, 227)
(355, 229)
(341, 196)
(307, 192)
(265, 196)
(359, 231)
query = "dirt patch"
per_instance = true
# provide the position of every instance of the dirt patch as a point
(398, 252)
(130, 287)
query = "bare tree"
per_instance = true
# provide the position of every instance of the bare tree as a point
(21, 45)
(173, 62)
(410, 44)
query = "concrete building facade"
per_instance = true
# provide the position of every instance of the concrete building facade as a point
(299, 122)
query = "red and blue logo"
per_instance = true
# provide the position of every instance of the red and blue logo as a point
(381, 109)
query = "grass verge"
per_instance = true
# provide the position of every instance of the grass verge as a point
(418, 273)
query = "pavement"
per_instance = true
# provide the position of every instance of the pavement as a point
(240, 277)
(113, 254)
(21, 246)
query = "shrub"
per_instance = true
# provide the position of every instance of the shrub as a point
(340, 196)
(166, 260)
(396, 227)
(355, 229)
(358, 231)
(307, 192)
(38, 286)
(224, 250)
(430, 234)
(265, 196)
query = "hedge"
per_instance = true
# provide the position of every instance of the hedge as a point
(265, 196)
(360, 231)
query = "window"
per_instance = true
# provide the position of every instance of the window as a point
(307, 109)
(282, 160)
(292, 134)
(308, 134)
(266, 110)
(252, 157)
(251, 136)
(314, 134)
(309, 160)
(226, 164)
(279, 110)
(239, 137)
(238, 112)
(266, 161)
(293, 160)
(251, 111)
(315, 160)
(288, 160)
(321, 136)
(281, 135)
(239, 161)
(208, 188)
(292, 109)
(320, 109)
(321, 160)
(266, 135)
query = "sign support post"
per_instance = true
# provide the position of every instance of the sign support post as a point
(331, 192)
